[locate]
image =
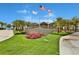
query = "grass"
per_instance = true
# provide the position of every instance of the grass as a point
(19, 32)
(61, 33)
(19, 45)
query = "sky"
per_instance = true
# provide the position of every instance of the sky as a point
(31, 11)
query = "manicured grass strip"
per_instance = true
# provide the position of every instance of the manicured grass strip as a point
(61, 33)
(18, 44)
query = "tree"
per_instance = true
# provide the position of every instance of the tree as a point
(75, 22)
(19, 24)
(29, 24)
(66, 25)
(59, 23)
(52, 25)
(9, 25)
(2, 25)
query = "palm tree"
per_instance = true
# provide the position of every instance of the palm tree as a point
(19, 24)
(29, 24)
(75, 22)
(66, 25)
(59, 23)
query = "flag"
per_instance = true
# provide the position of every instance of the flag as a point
(42, 8)
(34, 12)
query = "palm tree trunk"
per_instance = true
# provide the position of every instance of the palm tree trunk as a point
(75, 28)
(58, 29)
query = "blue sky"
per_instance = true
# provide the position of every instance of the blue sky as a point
(11, 12)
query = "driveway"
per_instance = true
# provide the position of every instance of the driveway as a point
(69, 45)
(5, 34)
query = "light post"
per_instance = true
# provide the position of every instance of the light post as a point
(48, 23)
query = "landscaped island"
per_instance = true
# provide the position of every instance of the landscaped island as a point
(20, 45)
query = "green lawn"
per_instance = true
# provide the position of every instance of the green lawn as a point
(19, 45)
(62, 33)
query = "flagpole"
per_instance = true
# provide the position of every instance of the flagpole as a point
(48, 22)
(39, 21)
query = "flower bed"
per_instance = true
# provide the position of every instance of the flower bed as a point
(34, 35)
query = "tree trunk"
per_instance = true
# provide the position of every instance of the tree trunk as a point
(58, 29)
(75, 28)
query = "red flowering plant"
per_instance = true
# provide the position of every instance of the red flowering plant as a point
(34, 35)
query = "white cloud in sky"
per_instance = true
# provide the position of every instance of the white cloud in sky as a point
(24, 11)
(50, 15)
(47, 18)
(27, 18)
(34, 12)
(30, 19)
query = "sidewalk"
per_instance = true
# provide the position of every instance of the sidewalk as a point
(5, 34)
(69, 45)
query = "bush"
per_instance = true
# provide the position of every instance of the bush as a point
(34, 35)
(61, 33)
(19, 32)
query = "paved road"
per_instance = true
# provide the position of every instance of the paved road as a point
(5, 34)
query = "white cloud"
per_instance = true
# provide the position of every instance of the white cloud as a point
(34, 12)
(24, 11)
(49, 18)
(27, 18)
(50, 15)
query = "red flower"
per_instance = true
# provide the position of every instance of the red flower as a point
(34, 35)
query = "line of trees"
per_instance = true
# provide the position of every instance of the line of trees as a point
(59, 25)
(67, 24)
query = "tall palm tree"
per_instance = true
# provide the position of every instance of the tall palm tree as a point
(66, 24)
(59, 23)
(75, 22)
(19, 24)
(29, 24)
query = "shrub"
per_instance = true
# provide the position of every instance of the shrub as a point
(34, 35)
